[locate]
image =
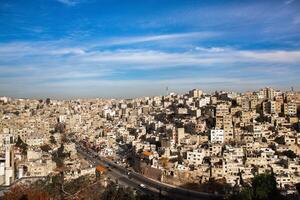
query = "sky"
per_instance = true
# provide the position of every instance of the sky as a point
(120, 49)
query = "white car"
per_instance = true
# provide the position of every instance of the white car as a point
(142, 185)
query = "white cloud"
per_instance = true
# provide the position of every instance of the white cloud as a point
(43, 66)
(65, 55)
(211, 49)
(68, 2)
(64, 51)
(76, 55)
(163, 37)
(273, 56)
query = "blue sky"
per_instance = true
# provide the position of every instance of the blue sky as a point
(110, 48)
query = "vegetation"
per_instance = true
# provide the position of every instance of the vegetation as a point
(48, 101)
(22, 145)
(59, 156)
(60, 127)
(80, 188)
(45, 148)
(23, 192)
(280, 140)
(212, 186)
(263, 187)
(113, 191)
(52, 139)
(264, 140)
(290, 154)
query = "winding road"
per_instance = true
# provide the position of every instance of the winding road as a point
(139, 182)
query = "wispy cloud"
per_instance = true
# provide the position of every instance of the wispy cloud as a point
(63, 54)
(69, 65)
(289, 2)
(68, 2)
(241, 44)
(163, 37)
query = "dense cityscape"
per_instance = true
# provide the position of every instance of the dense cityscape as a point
(149, 100)
(204, 145)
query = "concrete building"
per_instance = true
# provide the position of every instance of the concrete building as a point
(217, 136)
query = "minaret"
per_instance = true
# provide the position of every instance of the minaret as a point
(9, 161)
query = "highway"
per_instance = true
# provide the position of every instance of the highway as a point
(134, 180)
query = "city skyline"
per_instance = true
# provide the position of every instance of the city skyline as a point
(75, 49)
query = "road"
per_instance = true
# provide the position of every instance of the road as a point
(134, 180)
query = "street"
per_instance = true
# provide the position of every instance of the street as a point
(134, 180)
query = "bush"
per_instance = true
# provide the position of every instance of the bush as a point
(280, 140)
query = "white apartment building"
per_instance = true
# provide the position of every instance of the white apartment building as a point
(217, 136)
(203, 102)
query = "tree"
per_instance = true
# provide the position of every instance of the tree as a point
(22, 145)
(264, 140)
(59, 156)
(290, 154)
(45, 148)
(246, 193)
(48, 101)
(52, 139)
(115, 192)
(263, 187)
(60, 127)
(280, 140)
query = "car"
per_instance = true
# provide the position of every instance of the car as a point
(142, 185)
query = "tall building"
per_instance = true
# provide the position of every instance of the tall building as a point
(222, 109)
(178, 135)
(9, 169)
(195, 93)
(267, 93)
(272, 107)
(290, 108)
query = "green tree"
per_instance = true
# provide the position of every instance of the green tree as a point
(280, 140)
(21, 144)
(113, 191)
(48, 101)
(263, 187)
(59, 156)
(246, 193)
(290, 154)
(52, 139)
(264, 140)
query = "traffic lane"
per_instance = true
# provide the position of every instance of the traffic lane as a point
(169, 189)
(122, 178)
(173, 190)
(157, 185)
